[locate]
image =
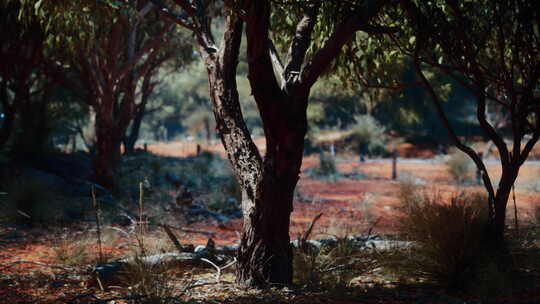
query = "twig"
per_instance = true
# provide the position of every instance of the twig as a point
(218, 269)
(373, 226)
(125, 233)
(206, 232)
(98, 223)
(140, 231)
(304, 238)
(141, 207)
(516, 221)
(187, 229)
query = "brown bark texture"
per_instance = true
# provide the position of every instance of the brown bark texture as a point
(265, 254)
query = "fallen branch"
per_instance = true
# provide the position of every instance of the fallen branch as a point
(12, 263)
(206, 232)
(219, 269)
(173, 238)
(187, 229)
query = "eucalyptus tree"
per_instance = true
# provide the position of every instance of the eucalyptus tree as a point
(22, 54)
(110, 63)
(281, 91)
(110, 47)
(173, 57)
(491, 48)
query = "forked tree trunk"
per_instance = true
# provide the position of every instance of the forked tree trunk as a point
(265, 254)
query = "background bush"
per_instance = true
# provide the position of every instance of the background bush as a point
(368, 136)
(460, 168)
(448, 242)
(327, 169)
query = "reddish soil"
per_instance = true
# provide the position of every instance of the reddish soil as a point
(348, 206)
(354, 206)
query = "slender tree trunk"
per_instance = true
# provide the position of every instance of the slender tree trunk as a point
(131, 139)
(497, 224)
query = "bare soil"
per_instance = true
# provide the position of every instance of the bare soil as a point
(349, 206)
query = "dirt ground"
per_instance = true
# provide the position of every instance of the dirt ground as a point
(349, 206)
(370, 204)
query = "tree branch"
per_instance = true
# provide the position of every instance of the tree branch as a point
(278, 65)
(300, 43)
(343, 33)
(261, 74)
(175, 18)
(457, 142)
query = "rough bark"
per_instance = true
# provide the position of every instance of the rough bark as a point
(109, 131)
(264, 255)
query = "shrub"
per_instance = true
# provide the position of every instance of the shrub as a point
(331, 266)
(460, 168)
(368, 136)
(326, 170)
(155, 283)
(71, 253)
(32, 202)
(448, 242)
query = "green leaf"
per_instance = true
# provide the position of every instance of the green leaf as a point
(38, 5)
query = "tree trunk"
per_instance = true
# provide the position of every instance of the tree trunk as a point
(497, 224)
(131, 139)
(107, 157)
(265, 255)
(34, 127)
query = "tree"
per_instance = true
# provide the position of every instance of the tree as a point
(173, 55)
(268, 183)
(490, 48)
(110, 64)
(22, 53)
(109, 48)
